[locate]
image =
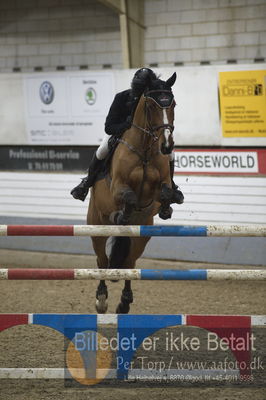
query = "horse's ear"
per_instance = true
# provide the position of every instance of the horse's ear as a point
(171, 80)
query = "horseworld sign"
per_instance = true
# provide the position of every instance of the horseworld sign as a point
(216, 161)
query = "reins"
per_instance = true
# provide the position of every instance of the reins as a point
(133, 149)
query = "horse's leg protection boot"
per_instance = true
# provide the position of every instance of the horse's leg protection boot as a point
(80, 192)
(166, 195)
(178, 196)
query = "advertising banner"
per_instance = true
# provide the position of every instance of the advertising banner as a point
(243, 103)
(45, 158)
(67, 109)
(220, 161)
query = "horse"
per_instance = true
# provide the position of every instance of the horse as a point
(137, 187)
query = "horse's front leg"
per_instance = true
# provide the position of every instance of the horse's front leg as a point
(126, 198)
(165, 195)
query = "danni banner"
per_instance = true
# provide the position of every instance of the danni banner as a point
(216, 161)
(243, 103)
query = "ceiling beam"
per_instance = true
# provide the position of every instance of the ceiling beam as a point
(131, 30)
(114, 4)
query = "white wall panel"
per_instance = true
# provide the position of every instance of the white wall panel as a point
(207, 199)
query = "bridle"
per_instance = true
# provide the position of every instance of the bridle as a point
(152, 129)
(149, 129)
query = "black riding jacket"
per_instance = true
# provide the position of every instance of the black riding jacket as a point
(119, 118)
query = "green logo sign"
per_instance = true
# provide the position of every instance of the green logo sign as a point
(90, 96)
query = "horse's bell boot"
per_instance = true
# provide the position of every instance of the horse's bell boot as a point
(178, 196)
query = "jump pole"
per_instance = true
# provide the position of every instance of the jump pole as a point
(133, 274)
(134, 230)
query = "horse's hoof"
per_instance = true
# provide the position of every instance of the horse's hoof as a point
(178, 197)
(118, 218)
(126, 299)
(114, 216)
(130, 198)
(121, 220)
(166, 193)
(101, 304)
(122, 308)
(166, 213)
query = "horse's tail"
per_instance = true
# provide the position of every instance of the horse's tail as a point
(119, 251)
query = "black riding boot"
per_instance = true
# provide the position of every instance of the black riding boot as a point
(80, 192)
(178, 196)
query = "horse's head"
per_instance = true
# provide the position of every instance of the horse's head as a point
(160, 103)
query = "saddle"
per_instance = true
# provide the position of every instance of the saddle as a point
(105, 170)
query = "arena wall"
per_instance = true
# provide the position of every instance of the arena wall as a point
(73, 34)
(193, 32)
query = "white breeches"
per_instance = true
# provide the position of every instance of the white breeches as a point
(103, 150)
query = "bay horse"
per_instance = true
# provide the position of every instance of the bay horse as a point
(137, 187)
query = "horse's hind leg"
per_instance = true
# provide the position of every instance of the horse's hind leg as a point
(126, 299)
(136, 249)
(101, 303)
(102, 262)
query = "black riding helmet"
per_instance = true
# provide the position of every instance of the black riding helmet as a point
(140, 80)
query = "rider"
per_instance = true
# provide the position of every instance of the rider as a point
(118, 120)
